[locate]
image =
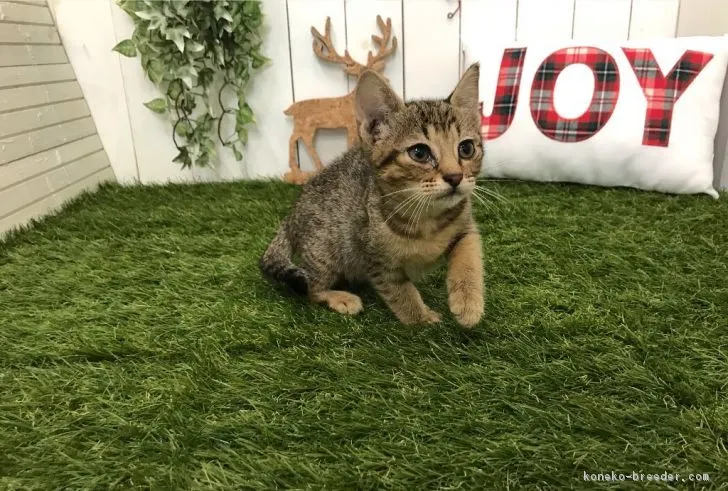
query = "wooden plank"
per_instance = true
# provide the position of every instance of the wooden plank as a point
(151, 133)
(720, 159)
(312, 77)
(76, 171)
(487, 26)
(20, 55)
(361, 25)
(23, 169)
(55, 201)
(17, 12)
(431, 48)
(28, 34)
(42, 3)
(89, 47)
(602, 20)
(488, 20)
(17, 122)
(693, 20)
(545, 21)
(17, 147)
(37, 95)
(653, 19)
(26, 75)
(24, 193)
(271, 92)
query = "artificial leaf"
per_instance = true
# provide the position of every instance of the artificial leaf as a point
(187, 81)
(220, 11)
(242, 134)
(175, 35)
(210, 148)
(158, 105)
(219, 55)
(129, 6)
(245, 114)
(126, 48)
(186, 77)
(251, 9)
(182, 8)
(174, 90)
(194, 47)
(155, 70)
(167, 9)
(183, 157)
(183, 127)
(194, 150)
(146, 15)
(183, 46)
(206, 76)
(158, 23)
(203, 160)
(204, 122)
(258, 60)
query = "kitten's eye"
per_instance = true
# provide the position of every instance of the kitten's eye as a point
(466, 149)
(419, 153)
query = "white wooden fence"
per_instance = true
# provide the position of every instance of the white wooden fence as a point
(433, 49)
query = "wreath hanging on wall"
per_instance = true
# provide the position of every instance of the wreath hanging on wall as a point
(194, 51)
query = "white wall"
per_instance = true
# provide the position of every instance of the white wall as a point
(432, 52)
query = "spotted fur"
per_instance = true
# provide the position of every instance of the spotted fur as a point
(381, 215)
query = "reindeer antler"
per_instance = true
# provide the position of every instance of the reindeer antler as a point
(323, 47)
(375, 62)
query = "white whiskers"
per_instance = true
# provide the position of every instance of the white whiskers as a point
(399, 191)
(422, 205)
(407, 202)
(488, 197)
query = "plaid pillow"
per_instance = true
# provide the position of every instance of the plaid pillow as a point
(642, 114)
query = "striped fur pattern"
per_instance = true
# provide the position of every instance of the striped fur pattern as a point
(392, 207)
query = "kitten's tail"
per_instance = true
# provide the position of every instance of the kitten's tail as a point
(277, 263)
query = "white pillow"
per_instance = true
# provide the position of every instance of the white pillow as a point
(581, 112)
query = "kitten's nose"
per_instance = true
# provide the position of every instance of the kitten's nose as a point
(453, 179)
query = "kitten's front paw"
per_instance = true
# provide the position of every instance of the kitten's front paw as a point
(468, 310)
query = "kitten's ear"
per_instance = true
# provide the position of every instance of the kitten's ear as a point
(374, 99)
(466, 93)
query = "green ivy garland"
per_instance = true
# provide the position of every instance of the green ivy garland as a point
(183, 45)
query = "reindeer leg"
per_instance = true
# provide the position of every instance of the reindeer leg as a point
(351, 136)
(308, 140)
(294, 176)
(292, 154)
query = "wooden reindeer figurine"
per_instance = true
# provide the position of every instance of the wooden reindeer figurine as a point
(332, 112)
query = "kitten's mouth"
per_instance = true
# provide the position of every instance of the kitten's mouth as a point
(452, 192)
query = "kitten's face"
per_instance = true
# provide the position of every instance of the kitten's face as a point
(433, 148)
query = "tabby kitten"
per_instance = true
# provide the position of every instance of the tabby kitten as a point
(388, 209)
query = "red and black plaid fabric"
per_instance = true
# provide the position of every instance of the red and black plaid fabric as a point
(606, 91)
(506, 95)
(663, 92)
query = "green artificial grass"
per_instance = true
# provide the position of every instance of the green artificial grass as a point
(140, 347)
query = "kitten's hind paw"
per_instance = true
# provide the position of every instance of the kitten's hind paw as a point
(431, 317)
(426, 316)
(340, 301)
